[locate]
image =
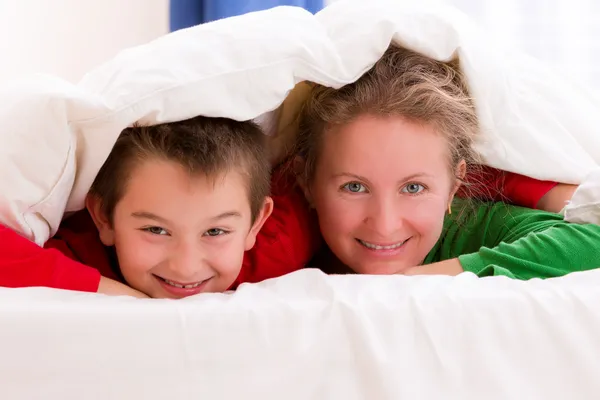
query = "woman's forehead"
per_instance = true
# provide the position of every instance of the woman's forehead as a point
(385, 141)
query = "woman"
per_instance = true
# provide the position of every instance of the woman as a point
(399, 145)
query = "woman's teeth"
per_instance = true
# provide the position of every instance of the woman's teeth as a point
(378, 247)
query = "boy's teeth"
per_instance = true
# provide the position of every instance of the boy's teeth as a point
(377, 247)
(193, 285)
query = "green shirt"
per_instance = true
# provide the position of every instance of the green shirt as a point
(499, 239)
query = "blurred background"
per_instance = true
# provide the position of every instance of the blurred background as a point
(69, 37)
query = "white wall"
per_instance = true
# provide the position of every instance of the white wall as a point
(69, 37)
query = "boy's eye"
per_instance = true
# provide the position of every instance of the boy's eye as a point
(156, 230)
(215, 232)
(354, 187)
(413, 188)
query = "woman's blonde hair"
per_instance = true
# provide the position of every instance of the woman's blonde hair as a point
(402, 83)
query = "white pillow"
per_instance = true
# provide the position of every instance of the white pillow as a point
(533, 121)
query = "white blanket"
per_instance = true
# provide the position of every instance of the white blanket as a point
(55, 135)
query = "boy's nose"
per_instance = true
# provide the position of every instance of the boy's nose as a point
(187, 262)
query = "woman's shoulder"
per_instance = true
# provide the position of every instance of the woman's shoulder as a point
(497, 220)
(466, 211)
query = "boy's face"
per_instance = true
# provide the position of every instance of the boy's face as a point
(177, 235)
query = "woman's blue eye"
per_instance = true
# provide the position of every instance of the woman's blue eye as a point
(354, 187)
(413, 188)
(215, 232)
(156, 230)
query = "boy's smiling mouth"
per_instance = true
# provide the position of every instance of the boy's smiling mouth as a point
(186, 286)
(180, 289)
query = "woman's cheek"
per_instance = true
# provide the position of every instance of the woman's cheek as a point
(427, 213)
(336, 213)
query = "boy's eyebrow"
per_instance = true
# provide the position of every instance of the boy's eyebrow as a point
(149, 215)
(228, 214)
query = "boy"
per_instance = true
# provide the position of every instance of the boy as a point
(175, 210)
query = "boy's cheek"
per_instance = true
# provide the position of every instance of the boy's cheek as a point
(229, 261)
(137, 256)
(227, 264)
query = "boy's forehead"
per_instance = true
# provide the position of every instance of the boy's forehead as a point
(169, 188)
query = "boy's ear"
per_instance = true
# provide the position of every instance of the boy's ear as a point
(105, 230)
(299, 167)
(261, 218)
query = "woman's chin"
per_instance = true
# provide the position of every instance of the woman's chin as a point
(381, 268)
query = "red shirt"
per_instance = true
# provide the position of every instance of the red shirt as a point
(496, 185)
(75, 258)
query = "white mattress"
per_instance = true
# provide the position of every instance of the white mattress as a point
(310, 336)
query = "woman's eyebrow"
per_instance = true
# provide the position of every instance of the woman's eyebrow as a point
(349, 175)
(417, 175)
(362, 178)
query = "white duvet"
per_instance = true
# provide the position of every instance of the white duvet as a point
(305, 335)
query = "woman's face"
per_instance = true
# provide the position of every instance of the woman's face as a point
(381, 190)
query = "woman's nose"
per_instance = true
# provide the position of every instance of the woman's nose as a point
(385, 217)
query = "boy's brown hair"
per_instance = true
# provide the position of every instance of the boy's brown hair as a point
(203, 146)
